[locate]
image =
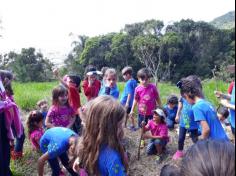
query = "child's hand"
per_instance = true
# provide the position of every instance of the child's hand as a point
(143, 124)
(55, 72)
(131, 114)
(177, 119)
(224, 102)
(218, 94)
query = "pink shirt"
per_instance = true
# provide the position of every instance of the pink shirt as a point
(146, 98)
(158, 129)
(60, 116)
(35, 137)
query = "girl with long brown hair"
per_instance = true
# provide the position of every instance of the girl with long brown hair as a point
(100, 151)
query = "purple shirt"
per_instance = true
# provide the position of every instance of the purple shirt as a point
(158, 129)
(60, 116)
(35, 137)
(146, 98)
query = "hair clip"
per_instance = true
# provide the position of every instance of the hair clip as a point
(179, 84)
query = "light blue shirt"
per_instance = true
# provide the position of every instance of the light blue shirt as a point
(204, 111)
(129, 89)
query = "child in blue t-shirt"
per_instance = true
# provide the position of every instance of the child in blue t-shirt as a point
(171, 110)
(100, 150)
(203, 111)
(185, 117)
(54, 144)
(127, 97)
(110, 84)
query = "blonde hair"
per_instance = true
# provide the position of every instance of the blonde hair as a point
(102, 127)
(110, 71)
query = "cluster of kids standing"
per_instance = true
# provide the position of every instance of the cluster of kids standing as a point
(99, 149)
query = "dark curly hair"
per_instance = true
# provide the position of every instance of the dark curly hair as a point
(191, 86)
(35, 117)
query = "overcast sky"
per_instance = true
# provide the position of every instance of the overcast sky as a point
(46, 24)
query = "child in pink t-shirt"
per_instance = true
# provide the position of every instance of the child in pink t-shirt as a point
(60, 113)
(159, 134)
(35, 128)
(146, 97)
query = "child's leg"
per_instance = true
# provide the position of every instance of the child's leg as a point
(20, 143)
(159, 144)
(65, 162)
(151, 149)
(4, 148)
(140, 119)
(55, 166)
(182, 135)
(194, 135)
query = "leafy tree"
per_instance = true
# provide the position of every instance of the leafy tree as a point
(148, 50)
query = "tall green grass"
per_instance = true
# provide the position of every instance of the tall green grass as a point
(27, 94)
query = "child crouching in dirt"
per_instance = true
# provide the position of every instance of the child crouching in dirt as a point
(159, 134)
(35, 128)
(100, 151)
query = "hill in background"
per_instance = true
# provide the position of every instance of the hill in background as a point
(226, 21)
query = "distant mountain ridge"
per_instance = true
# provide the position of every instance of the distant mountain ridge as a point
(226, 21)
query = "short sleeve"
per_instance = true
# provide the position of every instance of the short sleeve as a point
(198, 114)
(155, 92)
(51, 112)
(130, 86)
(115, 167)
(136, 95)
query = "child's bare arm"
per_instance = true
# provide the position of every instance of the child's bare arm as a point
(56, 73)
(205, 130)
(128, 101)
(180, 107)
(72, 121)
(41, 162)
(133, 107)
(48, 122)
(159, 101)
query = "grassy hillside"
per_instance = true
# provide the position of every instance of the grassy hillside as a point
(27, 94)
(226, 21)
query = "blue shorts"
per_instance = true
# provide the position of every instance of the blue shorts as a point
(151, 148)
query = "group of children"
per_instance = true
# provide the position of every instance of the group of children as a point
(99, 123)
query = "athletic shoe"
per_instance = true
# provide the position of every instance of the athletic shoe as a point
(178, 155)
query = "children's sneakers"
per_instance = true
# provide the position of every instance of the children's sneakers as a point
(132, 128)
(178, 155)
(16, 155)
(159, 159)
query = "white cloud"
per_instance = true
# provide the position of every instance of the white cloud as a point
(46, 24)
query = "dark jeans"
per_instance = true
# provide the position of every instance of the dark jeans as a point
(182, 135)
(233, 130)
(20, 143)
(77, 127)
(143, 118)
(55, 166)
(4, 149)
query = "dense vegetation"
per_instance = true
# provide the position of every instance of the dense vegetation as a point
(170, 52)
(226, 21)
